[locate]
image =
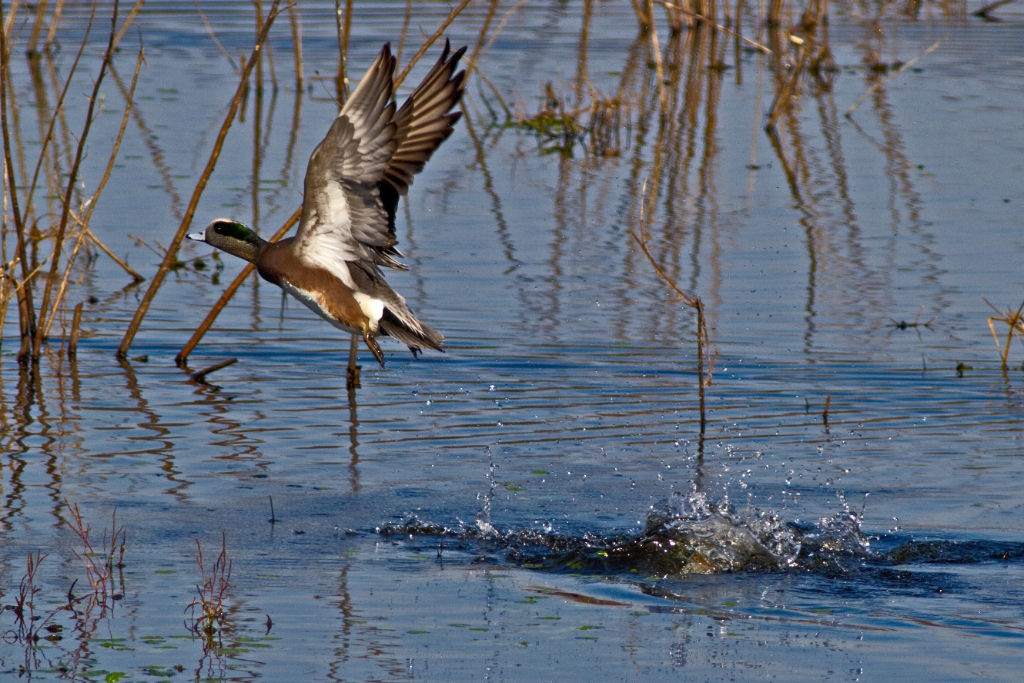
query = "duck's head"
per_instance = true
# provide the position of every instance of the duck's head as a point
(233, 237)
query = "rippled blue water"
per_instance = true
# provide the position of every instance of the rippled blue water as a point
(566, 404)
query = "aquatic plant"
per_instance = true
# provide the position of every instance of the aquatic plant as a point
(208, 615)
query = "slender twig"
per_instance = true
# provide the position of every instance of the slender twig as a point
(26, 311)
(201, 375)
(718, 27)
(213, 37)
(344, 27)
(228, 293)
(127, 22)
(932, 48)
(405, 31)
(296, 22)
(172, 249)
(114, 257)
(83, 221)
(1014, 319)
(58, 240)
(430, 41)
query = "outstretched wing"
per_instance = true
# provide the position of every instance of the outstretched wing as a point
(421, 125)
(343, 219)
(367, 161)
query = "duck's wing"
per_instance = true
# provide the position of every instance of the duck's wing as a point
(421, 125)
(343, 217)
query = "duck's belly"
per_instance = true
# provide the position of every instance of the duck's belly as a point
(315, 302)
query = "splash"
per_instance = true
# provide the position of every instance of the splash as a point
(686, 534)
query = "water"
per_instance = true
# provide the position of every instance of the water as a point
(541, 499)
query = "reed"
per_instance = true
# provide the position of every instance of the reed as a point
(1014, 320)
(200, 376)
(705, 356)
(207, 612)
(186, 222)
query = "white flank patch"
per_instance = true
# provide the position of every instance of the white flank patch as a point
(314, 302)
(372, 308)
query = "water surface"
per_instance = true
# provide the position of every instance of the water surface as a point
(499, 511)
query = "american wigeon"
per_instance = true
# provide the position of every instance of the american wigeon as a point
(353, 182)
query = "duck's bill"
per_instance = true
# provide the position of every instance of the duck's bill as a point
(197, 236)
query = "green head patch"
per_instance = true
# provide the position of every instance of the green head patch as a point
(236, 230)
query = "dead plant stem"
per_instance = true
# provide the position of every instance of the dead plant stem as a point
(172, 249)
(83, 222)
(58, 240)
(26, 311)
(430, 41)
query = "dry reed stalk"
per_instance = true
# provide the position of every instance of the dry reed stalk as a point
(405, 31)
(296, 22)
(6, 291)
(172, 249)
(200, 376)
(76, 325)
(430, 41)
(718, 27)
(113, 257)
(26, 310)
(48, 137)
(83, 222)
(932, 48)
(127, 22)
(504, 20)
(58, 241)
(344, 31)
(492, 7)
(1015, 320)
(705, 360)
(213, 37)
(204, 326)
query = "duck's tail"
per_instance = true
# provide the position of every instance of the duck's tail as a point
(403, 326)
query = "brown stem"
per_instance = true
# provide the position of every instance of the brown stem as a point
(172, 249)
(430, 41)
(293, 14)
(58, 241)
(26, 311)
(228, 293)
(201, 375)
(83, 221)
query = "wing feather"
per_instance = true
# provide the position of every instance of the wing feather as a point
(367, 160)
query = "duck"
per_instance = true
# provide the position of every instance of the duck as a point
(354, 179)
